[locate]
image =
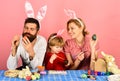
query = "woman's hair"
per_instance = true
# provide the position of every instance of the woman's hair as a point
(55, 40)
(79, 22)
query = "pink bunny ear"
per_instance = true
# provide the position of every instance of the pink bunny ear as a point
(29, 9)
(59, 33)
(41, 13)
(70, 13)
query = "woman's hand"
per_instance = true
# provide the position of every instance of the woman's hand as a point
(80, 56)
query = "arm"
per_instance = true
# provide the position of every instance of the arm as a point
(94, 53)
(13, 57)
(12, 61)
(39, 50)
(75, 64)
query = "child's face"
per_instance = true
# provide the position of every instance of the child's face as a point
(56, 49)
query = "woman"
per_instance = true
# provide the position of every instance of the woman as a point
(80, 50)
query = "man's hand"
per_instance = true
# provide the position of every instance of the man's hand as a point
(15, 43)
(28, 46)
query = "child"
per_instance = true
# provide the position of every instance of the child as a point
(55, 58)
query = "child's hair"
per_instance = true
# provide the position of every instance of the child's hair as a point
(55, 40)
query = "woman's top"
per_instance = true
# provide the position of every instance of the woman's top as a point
(72, 48)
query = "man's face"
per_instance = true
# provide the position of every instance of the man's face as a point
(30, 31)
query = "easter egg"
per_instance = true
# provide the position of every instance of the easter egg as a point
(28, 78)
(33, 77)
(94, 37)
(37, 75)
(84, 76)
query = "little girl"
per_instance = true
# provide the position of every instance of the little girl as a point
(55, 59)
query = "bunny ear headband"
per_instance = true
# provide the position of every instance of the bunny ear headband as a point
(30, 12)
(59, 33)
(72, 14)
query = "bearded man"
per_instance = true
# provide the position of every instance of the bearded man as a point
(30, 46)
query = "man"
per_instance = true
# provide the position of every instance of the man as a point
(30, 46)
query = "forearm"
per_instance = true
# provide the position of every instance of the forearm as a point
(12, 62)
(38, 58)
(75, 64)
(31, 55)
(93, 59)
(13, 50)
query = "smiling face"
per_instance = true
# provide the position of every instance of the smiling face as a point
(74, 30)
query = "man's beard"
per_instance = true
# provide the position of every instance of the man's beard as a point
(29, 36)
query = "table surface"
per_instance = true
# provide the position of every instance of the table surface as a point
(72, 75)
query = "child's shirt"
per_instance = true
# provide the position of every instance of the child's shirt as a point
(57, 64)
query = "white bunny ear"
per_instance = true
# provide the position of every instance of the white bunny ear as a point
(29, 10)
(60, 32)
(41, 13)
(70, 13)
(103, 54)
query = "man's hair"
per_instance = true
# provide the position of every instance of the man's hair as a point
(32, 20)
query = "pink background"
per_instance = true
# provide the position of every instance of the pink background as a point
(101, 17)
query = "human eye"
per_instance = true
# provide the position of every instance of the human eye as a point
(72, 28)
(32, 29)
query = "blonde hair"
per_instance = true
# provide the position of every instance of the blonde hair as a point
(55, 40)
(79, 22)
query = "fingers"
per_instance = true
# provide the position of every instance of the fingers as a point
(81, 53)
(15, 40)
(25, 40)
(53, 57)
(80, 56)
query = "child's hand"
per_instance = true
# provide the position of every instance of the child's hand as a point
(52, 58)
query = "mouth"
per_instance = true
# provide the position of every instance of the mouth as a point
(27, 35)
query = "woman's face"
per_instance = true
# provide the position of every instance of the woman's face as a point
(74, 31)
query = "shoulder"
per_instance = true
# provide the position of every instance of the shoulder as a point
(41, 38)
(70, 41)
